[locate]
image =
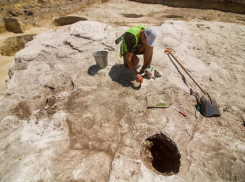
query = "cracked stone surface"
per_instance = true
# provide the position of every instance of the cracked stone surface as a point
(64, 119)
(61, 123)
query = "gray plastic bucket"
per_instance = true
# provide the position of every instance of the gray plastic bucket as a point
(101, 58)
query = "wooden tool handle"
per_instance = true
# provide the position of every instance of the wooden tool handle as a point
(168, 51)
(181, 112)
(150, 107)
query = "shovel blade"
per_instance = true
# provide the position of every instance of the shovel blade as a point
(209, 107)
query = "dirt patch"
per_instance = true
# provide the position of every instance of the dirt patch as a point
(12, 25)
(22, 110)
(236, 7)
(173, 17)
(132, 15)
(68, 20)
(14, 44)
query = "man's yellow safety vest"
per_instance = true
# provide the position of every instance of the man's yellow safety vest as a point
(136, 32)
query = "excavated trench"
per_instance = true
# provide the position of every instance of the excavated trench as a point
(234, 6)
(12, 25)
(132, 15)
(68, 20)
(14, 44)
(160, 154)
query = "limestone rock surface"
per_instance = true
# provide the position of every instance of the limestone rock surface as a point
(64, 119)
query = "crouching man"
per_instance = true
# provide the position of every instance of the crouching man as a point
(138, 40)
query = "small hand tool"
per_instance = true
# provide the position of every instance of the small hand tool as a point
(181, 112)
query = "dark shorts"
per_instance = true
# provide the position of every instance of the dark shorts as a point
(135, 52)
(130, 42)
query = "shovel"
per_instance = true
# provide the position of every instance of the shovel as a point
(119, 39)
(198, 103)
(209, 107)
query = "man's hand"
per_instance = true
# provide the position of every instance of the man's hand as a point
(139, 78)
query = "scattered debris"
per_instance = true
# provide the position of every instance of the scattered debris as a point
(28, 13)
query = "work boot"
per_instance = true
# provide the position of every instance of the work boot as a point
(142, 70)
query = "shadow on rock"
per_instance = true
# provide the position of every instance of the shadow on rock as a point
(92, 70)
(123, 76)
(182, 76)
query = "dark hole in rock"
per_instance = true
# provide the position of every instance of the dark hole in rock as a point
(132, 15)
(160, 154)
(68, 20)
(14, 44)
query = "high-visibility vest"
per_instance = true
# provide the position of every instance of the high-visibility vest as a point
(136, 32)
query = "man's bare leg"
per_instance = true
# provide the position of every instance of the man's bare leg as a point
(135, 61)
(132, 60)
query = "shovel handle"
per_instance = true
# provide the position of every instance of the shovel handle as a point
(168, 51)
(117, 41)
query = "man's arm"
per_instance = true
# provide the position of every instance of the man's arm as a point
(130, 64)
(130, 41)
